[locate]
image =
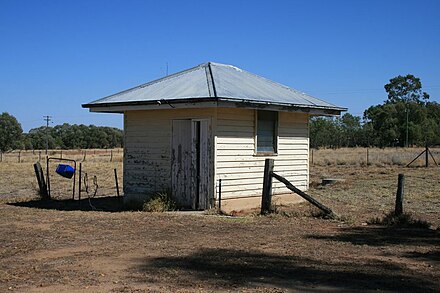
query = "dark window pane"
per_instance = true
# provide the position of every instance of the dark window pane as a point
(266, 131)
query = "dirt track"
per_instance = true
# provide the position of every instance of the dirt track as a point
(49, 251)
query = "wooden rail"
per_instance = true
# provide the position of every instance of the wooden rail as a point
(267, 191)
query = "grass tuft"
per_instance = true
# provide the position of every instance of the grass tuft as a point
(405, 220)
(160, 202)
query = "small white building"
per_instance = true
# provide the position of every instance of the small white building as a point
(186, 131)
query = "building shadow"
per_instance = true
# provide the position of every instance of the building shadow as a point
(430, 256)
(104, 204)
(231, 269)
(380, 236)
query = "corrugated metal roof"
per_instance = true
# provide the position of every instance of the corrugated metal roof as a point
(214, 81)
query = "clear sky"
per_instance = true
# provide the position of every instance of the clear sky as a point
(56, 55)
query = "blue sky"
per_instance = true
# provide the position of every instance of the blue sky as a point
(56, 55)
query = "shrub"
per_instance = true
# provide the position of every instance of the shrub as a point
(160, 202)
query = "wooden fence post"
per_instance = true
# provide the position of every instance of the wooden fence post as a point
(19, 156)
(220, 195)
(111, 156)
(398, 210)
(39, 156)
(1, 156)
(368, 157)
(85, 154)
(426, 156)
(266, 199)
(40, 179)
(117, 185)
(79, 183)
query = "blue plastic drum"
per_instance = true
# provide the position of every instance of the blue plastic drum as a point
(65, 170)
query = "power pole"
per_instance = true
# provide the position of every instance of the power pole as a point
(47, 119)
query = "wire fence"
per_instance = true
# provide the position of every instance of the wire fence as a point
(374, 156)
(81, 155)
(17, 176)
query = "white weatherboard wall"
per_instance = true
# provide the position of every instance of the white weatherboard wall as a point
(238, 167)
(147, 151)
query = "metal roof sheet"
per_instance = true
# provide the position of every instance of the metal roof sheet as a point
(215, 81)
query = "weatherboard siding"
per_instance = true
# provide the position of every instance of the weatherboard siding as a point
(238, 167)
(147, 157)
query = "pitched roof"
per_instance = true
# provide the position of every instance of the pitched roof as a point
(214, 82)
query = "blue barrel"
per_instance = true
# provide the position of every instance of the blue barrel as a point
(65, 170)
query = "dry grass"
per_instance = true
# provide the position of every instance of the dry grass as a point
(46, 250)
(88, 155)
(18, 182)
(376, 156)
(370, 191)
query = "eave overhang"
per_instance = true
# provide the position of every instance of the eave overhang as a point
(209, 102)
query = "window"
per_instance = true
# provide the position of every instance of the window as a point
(267, 123)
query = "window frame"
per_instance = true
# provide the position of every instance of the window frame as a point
(275, 134)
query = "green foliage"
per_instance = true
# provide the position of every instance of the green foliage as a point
(160, 202)
(68, 136)
(407, 108)
(405, 89)
(10, 132)
(389, 123)
(345, 131)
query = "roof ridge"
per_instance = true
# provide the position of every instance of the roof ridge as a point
(212, 79)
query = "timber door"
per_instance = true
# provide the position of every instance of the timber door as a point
(190, 163)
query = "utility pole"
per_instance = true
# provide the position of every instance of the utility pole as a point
(47, 119)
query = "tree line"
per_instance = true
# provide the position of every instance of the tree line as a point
(65, 136)
(405, 118)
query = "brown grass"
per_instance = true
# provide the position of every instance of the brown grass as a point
(17, 180)
(46, 250)
(376, 156)
(370, 191)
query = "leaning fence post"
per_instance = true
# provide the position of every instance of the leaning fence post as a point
(398, 210)
(40, 179)
(116, 181)
(266, 199)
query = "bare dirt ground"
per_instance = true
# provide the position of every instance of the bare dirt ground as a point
(49, 250)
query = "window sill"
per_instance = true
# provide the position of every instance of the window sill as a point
(265, 154)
